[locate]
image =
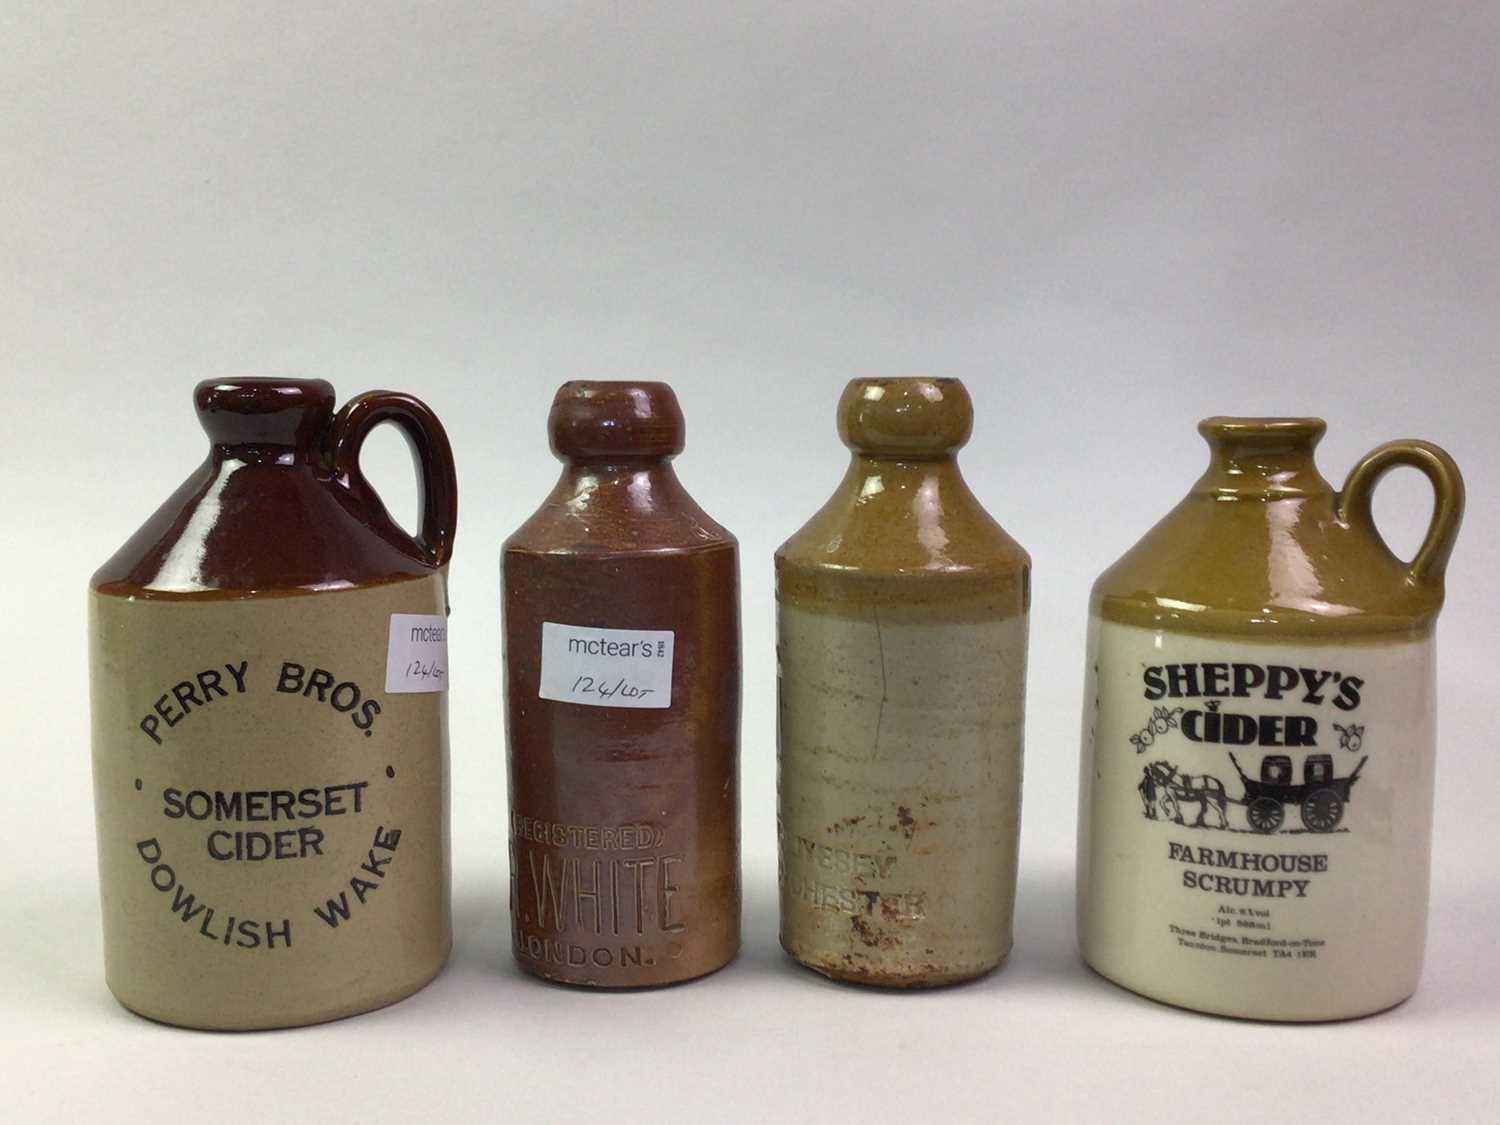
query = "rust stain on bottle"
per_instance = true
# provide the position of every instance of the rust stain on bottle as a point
(901, 612)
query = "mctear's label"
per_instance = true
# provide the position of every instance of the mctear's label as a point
(606, 667)
(417, 654)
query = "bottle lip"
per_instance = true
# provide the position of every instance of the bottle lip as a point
(1225, 427)
(902, 382)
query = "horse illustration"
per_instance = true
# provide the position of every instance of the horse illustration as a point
(1164, 789)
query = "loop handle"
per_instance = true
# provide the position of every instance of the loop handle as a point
(1448, 501)
(431, 455)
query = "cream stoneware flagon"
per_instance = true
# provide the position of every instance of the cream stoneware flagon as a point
(901, 669)
(268, 676)
(1259, 737)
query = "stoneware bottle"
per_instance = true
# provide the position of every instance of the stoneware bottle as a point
(1256, 813)
(901, 625)
(622, 677)
(268, 672)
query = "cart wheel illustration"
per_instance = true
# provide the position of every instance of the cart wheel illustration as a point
(1265, 813)
(1322, 809)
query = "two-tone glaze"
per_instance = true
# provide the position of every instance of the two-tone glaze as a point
(272, 822)
(901, 669)
(1259, 737)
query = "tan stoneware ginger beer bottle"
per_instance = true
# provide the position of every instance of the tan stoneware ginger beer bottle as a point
(901, 618)
(1256, 812)
(268, 676)
(622, 678)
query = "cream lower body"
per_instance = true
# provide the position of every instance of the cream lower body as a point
(272, 823)
(899, 793)
(1283, 892)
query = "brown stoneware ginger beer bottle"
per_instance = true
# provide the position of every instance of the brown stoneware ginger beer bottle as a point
(622, 656)
(1256, 811)
(268, 678)
(901, 620)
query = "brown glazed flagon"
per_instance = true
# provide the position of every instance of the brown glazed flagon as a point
(269, 740)
(621, 607)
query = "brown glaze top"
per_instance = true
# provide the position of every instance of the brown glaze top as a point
(1263, 545)
(618, 492)
(598, 421)
(280, 506)
(903, 526)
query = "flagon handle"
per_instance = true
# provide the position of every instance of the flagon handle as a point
(1448, 501)
(431, 454)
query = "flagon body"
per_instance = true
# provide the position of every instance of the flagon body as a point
(269, 736)
(1259, 738)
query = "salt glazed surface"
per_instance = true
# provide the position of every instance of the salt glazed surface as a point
(622, 682)
(901, 657)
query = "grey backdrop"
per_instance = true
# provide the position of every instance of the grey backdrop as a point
(1108, 219)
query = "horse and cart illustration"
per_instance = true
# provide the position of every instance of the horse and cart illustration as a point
(1320, 797)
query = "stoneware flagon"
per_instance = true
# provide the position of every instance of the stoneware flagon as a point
(622, 678)
(1259, 737)
(901, 654)
(268, 677)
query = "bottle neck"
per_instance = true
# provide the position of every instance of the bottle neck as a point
(625, 505)
(636, 482)
(866, 464)
(616, 466)
(264, 453)
(926, 490)
(1261, 475)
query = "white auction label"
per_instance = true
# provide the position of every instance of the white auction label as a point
(417, 657)
(606, 667)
